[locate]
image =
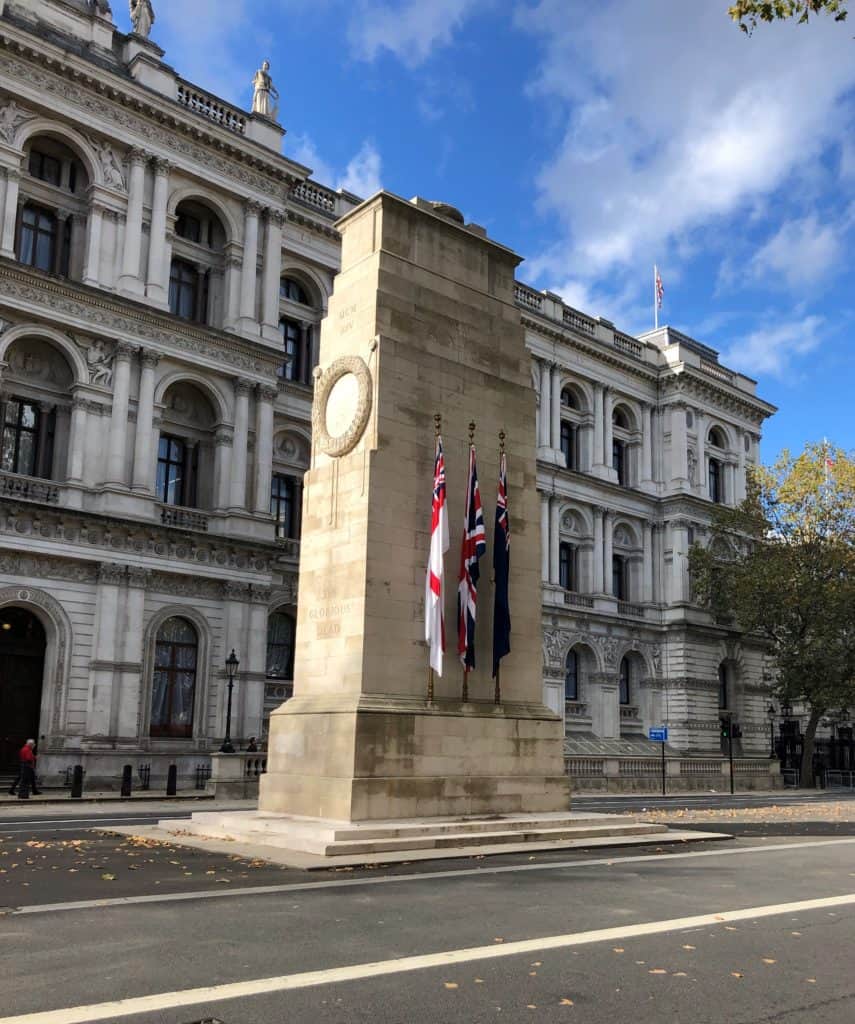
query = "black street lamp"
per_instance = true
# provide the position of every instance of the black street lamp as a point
(770, 711)
(231, 667)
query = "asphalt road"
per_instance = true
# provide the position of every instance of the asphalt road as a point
(712, 932)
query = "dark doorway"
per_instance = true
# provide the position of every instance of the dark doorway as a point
(22, 663)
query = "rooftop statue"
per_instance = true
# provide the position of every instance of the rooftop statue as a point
(264, 94)
(142, 17)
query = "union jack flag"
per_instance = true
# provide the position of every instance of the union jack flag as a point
(660, 290)
(435, 577)
(473, 547)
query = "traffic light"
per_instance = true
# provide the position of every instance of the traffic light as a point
(725, 729)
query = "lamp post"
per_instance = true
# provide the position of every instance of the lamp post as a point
(770, 711)
(231, 667)
(727, 722)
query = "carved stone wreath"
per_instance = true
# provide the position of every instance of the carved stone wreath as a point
(345, 442)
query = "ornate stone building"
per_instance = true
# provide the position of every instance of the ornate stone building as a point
(164, 270)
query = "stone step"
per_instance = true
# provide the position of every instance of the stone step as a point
(438, 842)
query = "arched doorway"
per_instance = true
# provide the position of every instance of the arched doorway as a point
(22, 663)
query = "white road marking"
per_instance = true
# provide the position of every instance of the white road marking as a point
(354, 972)
(346, 883)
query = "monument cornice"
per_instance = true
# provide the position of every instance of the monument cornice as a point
(89, 310)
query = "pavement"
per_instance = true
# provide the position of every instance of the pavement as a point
(759, 930)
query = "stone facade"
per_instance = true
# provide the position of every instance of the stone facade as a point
(164, 274)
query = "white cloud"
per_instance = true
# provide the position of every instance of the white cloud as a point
(771, 350)
(674, 123)
(409, 30)
(362, 175)
(303, 149)
(801, 251)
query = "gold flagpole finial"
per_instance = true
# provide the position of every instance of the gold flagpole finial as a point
(437, 424)
(501, 442)
(472, 431)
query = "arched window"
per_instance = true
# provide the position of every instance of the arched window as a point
(624, 681)
(38, 242)
(568, 444)
(620, 581)
(715, 481)
(619, 419)
(568, 399)
(196, 278)
(567, 565)
(173, 694)
(723, 688)
(571, 676)
(281, 629)
(186, 287)
(21, 428)
(716, 438)
(297, 345)
(293, 291)
(619, 464)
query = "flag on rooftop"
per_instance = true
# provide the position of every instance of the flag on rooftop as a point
(660, 290)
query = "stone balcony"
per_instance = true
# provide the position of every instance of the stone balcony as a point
(29, 488)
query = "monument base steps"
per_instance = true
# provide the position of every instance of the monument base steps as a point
(335, 841)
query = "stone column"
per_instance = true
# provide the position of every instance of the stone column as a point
(730, 483)
(103, 664)
(647, 563)
(248, 320)
(76, 440)
(231, 298)
(157, 284)
(544, 537)
(145, 414)
(237, 491)
(236, 621)
(556, 408)
(678, 558)
(703, 476)
(130, 279)
(646, 443)
(740, 490)
(127, 702)
(608, 551)
(554, 534)
(545, 395)
(264, 446)
(598, 585)
(10, 213)
(116, 470)
(608, 428)
(92, 270)
(222, 461)
(597, 459)
(679, 451)
(272, 274)
(256, 658)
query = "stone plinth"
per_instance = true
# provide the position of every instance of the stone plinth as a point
(422, 321)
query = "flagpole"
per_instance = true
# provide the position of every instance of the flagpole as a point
(655, 299)
(497, 694)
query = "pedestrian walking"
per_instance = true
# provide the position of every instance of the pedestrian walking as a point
(26, 780)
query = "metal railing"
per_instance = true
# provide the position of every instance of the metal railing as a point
(836, 779)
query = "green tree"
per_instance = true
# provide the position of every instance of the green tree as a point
(781, 565)
(747, 13)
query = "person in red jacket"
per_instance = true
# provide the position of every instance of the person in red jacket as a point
(26, 780)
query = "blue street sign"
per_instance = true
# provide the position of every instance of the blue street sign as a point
(659, 734)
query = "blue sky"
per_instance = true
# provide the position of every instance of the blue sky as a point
(595, 138)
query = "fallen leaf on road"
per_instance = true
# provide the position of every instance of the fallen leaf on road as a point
(657, 970)
(498, 940)
(531, 1006)
(109, 878)
(689, 947)
(679, 974)
(450, 984)
(810, 981)
(618, 949)
(736, 974)
(769, 960)
(795, 933)
(566, 1002)
(479, 981)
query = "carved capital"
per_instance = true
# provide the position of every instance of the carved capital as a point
(251, 208)
(276, 217)
(267, 393)
(233, 591)
(137, 577)
(161, 167)
(124, 351)
(137, 156)
(110, 572)
(260, 595)
(148, 358)
(224, 437)
(243, 386)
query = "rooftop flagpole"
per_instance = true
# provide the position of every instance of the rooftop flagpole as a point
(655, 298)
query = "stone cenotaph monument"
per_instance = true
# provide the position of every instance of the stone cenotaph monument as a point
(422, 321)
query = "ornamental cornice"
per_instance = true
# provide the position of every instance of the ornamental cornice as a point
(119, 102)
(93, 535)
(689, 384)
(304, 221)
(55, 300)
(597, 351)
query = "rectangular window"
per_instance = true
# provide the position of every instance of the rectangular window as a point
(37, 240)
(567, 565)
(716, 489)
(290, 331)
(619, 461)
(619, 581)
(189, 227)
(285, 505)
(568, 444)
(171, 470)
(21, 423)
(184, 290)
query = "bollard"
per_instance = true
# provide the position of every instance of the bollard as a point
(77, 782)
(172, 780)
(127, 772)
